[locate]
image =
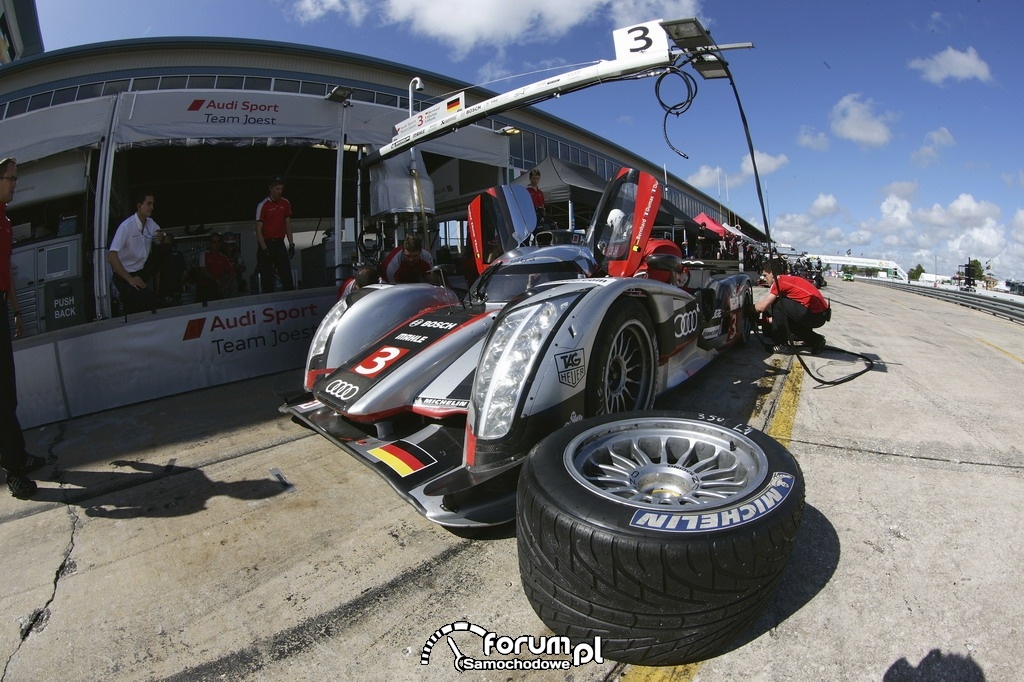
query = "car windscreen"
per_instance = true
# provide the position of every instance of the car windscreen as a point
(506, 282)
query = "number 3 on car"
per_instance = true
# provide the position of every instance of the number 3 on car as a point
(379, 361)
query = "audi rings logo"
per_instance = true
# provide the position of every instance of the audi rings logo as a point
(342, 390)
(685, 323)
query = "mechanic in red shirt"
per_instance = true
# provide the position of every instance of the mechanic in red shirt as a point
(795, 307)
(273, 225)
(407, 264)
(537, 195)
(216, 273)
(13, 457)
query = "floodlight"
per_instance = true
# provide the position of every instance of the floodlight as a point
(688, 34)
(339, 94)
(710, 66)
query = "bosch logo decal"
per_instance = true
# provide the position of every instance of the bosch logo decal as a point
(433, 324)
(342, 390)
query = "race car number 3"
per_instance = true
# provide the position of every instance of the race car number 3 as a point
(383, 358)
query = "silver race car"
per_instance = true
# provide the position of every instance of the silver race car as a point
(445, 395)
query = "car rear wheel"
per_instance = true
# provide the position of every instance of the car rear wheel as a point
(622, 375)
(663, 533)
(748, 315)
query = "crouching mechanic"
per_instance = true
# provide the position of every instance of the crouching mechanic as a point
(794, 307)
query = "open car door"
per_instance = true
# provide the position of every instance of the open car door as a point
(500, 219)
(624, 221)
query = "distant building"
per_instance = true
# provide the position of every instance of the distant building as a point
(19, 30)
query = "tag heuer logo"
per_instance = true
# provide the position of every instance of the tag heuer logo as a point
(572, 367)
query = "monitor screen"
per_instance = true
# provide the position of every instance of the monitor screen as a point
(58, 260)
(67, 226)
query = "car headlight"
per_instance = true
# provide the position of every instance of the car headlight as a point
(508, 360)
(322, 337)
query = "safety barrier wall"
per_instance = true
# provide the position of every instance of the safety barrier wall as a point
(110, 363)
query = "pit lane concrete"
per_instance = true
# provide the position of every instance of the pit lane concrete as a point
(163, 547)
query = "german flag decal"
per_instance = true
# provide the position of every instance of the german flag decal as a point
(404, 458)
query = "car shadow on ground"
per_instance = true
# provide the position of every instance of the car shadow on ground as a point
(140, 489)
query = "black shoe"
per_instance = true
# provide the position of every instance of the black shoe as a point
(818, 345)
(21, 487)
(782, 348)
(32, 463)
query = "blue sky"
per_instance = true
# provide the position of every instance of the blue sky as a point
(890, 129)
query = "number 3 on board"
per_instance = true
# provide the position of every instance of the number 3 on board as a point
(640, 39)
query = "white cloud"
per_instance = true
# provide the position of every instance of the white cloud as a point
(312, 10)
(706, 177)
(952, 64)
(859, 238)
(465, 25)
(966, 208)
(854, 119)
(824, 205)
(1014, 179)
(904, 189)
(766, 163)
(895, 215)
(928, 153)
(812, 139)
(936, 23)
(941, 236)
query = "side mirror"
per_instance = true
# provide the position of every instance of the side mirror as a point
(665, 261)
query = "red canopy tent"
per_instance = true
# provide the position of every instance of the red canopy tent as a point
(710, 223)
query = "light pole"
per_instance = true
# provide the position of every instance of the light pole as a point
(507, 132)
(341, 96)
(705, 56)
(416, 84)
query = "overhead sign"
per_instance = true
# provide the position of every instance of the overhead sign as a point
(447, 107)
(169, 114)
(639, 48)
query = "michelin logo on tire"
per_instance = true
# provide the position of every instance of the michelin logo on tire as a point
(773, 494)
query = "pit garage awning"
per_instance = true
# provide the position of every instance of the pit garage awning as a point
(38, 134)
(220, 114)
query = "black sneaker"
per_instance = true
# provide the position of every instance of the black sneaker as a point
(818, 345)
(20, 486)
(782, 348)
(32, 463)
